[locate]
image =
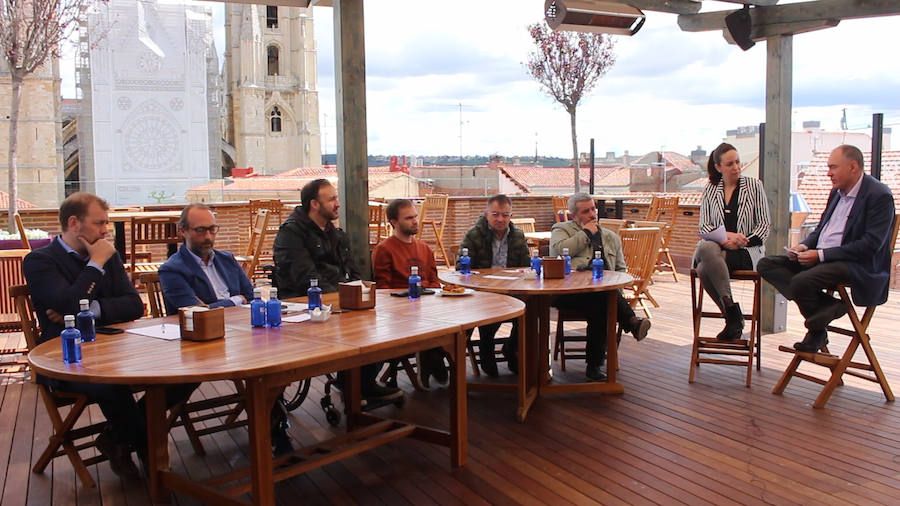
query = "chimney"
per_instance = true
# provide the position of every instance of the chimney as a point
(626, 162)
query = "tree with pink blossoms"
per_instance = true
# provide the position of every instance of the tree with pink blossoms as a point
(31, 33)
(568, 65)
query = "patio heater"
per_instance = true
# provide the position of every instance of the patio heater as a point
(593, 16)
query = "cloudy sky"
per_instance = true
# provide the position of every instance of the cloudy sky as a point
(669, 89)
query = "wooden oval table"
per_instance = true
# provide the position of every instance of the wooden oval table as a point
(269, 358)
(534, 357)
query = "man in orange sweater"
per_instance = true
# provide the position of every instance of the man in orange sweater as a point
(391, 262)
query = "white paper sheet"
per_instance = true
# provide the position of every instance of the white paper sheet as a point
(494, 276)
(290, 307)
(716, 235)
(167, 331)
(297, 318)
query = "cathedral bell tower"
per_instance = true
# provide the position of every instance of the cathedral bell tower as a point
(271, 102)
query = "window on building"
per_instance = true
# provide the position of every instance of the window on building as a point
(272, 53)
(275, 119)
(271, 16)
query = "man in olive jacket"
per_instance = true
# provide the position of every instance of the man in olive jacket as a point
(495, 241)
(583, 236)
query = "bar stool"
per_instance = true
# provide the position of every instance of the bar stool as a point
(713, 346)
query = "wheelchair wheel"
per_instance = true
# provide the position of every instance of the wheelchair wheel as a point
(295, 394)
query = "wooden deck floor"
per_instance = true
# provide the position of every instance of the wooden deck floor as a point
(664, 441)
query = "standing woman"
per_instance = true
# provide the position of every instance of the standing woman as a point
(739, 204)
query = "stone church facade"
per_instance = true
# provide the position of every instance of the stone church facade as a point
(40, 176)
(148, 128)
(271, 106)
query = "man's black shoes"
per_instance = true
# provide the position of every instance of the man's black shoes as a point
(119, 456)
(595, 373)
(812, 342)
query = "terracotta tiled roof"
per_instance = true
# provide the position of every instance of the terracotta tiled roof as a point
(815, 185)
(561, 177)
(23, 204)
(673, 160)
(295, 179)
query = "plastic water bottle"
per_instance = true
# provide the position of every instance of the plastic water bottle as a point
(257, 310)
(415, 283)
(273, 308)
(314, 295)
(597, 265)
(71, 341)
(465, 262)
(568, 261)
(536, 263)
(84, 322)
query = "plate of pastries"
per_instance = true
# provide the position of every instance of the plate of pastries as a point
(450, 289)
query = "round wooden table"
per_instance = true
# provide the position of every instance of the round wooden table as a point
(534, 357)
(267, 359)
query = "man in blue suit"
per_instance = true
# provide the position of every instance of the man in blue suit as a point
(850, 245)
(198, 274)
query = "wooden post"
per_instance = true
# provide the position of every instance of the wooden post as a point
(777, 163)
(352, 148)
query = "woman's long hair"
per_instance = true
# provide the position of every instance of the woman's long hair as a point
(715, 158)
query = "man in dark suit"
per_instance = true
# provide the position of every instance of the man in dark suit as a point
(81, 264)
(199, 274)
(850, 245)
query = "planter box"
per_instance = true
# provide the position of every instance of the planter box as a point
(17, 244)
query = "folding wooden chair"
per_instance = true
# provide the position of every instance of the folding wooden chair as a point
(747, 348)
(844, 364)
(186, 415)
(433, 215)
(612, 224)
(664, 209)
(560, 208)
(526, 224)
(638, 247)
(65, 437)
(379, 229)
(258, 234)
(151, 231)
(22, 236)
(12, 358)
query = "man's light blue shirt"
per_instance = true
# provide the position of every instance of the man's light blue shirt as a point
(220, 288)
(833, 232)
(95, 306)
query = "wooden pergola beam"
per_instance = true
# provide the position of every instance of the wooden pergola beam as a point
(804, 13)
(670, 6)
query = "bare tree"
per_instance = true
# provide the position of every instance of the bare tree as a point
(31, 32)
(568, 66)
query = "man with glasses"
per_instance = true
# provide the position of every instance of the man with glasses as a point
(583, 236)
(495, 241)
(199, 275)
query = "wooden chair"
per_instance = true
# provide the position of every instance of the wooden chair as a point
(186, 415)
(379, 229)
(612, 224)
(258, 234)
(747, 348)
(560, 208)
(526, 224)
(11, 358)
(664, 209)
(65, 438)
(150, 231)
(844, 364)
(638, 248)
(433, 215)
(22, 236)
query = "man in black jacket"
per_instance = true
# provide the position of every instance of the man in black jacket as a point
(81, 264)
(495, 241)
(309, 246)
